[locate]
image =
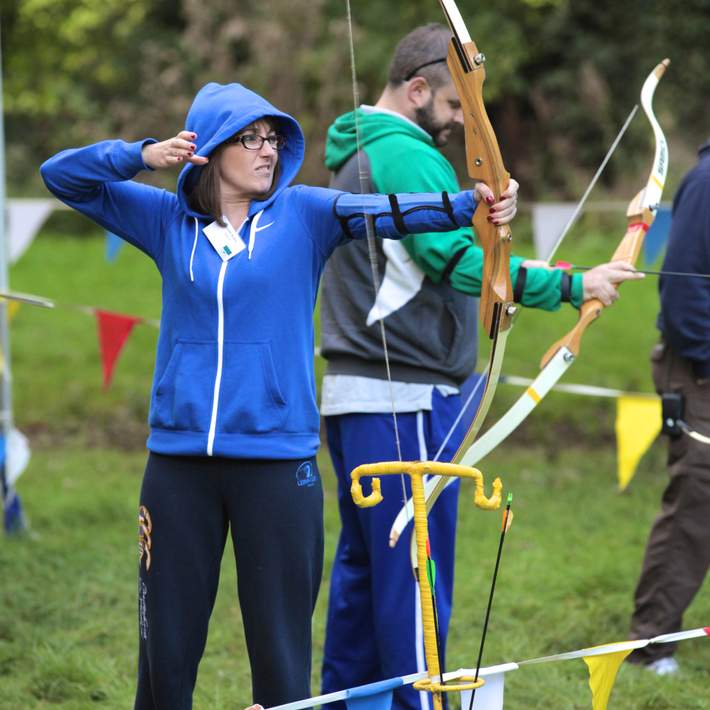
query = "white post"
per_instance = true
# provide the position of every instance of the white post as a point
(11, 510)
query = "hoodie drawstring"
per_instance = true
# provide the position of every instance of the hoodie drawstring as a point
(194, 246)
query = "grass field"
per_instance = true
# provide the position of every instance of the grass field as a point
(67, 598)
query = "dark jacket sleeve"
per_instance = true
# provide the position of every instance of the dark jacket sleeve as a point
(685, 301)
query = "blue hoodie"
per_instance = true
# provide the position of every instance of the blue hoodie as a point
(234, 369)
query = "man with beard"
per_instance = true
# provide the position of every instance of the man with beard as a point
(425, 298)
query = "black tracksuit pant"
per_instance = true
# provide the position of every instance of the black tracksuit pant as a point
(275, 512)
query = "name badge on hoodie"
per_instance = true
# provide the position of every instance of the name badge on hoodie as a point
(225, 240)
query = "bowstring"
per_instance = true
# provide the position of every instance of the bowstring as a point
(371, 245)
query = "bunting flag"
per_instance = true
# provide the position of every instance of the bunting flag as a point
(488, 696)
(657, 236)
(25, 217)
(602, 674)
(548, 221)
(14, 456)
(375, 696)
(113, 245)
(14, 520)
(114, 329)
(638, 423)
(12, 308)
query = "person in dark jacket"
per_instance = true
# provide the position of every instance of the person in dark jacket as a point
(234, 425)
(678, 549)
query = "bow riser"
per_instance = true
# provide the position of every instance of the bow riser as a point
(484, 164)
(628, 251)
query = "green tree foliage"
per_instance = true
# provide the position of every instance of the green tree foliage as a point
(561, 74)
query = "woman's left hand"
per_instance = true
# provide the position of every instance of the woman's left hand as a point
(506, 208)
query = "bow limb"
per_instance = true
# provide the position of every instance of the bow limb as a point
(640, 215)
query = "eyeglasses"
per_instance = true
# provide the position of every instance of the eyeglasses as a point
(421, 66)
(253, 141)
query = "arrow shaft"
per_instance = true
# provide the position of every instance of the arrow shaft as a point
(490, 599)
(652, 273)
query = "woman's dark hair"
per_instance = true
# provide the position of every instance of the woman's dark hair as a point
(205, 197)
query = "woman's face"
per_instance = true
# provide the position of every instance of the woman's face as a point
(247, 171)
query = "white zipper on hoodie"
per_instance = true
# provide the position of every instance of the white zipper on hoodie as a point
(220, 333)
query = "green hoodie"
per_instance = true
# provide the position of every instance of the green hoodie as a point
(403, 158)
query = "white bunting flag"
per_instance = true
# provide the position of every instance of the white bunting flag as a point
(25, 217)
(549, 219)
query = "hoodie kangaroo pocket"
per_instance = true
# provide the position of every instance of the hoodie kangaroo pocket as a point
(183, 397)
(250, 399)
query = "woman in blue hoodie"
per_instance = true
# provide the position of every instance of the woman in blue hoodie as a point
(234, 426)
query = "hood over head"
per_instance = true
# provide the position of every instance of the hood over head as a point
(221, 110)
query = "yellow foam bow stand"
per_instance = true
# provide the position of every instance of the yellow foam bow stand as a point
(416, 470)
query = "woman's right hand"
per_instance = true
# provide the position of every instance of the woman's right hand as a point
(173, 151)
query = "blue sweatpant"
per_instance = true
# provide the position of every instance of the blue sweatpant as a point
(188, 506)
(374, 622)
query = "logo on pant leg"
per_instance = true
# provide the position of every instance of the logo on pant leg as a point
(142, 609)
(145, 528)
(306, 474)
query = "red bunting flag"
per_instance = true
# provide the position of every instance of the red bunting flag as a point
(114, 329)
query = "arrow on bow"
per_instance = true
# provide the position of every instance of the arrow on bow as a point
(560, 356)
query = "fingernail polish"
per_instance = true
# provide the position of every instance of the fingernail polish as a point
(193, 147)
(490, 219)
(495, 221)
(489, 200)
(189, 155)
(491, 210)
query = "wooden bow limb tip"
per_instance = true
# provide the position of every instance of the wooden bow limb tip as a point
(416, 470)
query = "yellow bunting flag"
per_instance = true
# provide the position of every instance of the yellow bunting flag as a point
(602, 674)
(638, 421)
(12, 308)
